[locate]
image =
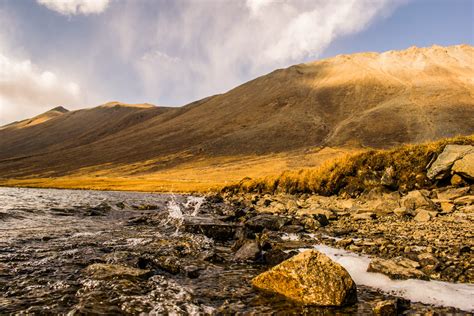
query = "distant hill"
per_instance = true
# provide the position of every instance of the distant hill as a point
(360, 100)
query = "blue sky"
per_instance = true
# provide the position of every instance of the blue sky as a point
(80, 53)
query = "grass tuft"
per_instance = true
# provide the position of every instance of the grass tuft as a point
(356, 173)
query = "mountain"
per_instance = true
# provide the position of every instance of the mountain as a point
(360, 100)
(38, 119)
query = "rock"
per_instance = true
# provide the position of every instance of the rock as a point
(446, 159)
(465, 200)
(447, 207)
(210, 227)
(145, 207)
(345, 242)
(292, 228)
(464, 249)
(427, 259)
(457, 180)
(322, 219)
(250, 251)
(273, 257)
(424, 215)
(407, 263)
(451, 194)
(364, 216)
(292, 206)
(467, 209)
(309, 278)
(417, 199)
(192, 272)
(103, 271)
(168, 264)
(386, 308)
(388, 178)
(401, 211)
(310, 224)
(465, 166)
(395, 270)
(318, 211)
(265, 221)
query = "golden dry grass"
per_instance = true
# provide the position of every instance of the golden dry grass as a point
(198, 176)
(356, 173)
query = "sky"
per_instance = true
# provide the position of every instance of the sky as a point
(82, 53)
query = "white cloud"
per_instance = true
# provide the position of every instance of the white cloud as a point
(72, 7)
(256, 6)
(220, 44)
(26, 90)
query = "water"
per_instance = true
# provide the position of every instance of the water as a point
(49, 238)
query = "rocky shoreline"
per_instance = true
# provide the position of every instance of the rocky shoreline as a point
(425, 234)
(131, 253)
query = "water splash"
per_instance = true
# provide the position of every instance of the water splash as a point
(195, 202)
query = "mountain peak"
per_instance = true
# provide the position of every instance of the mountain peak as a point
(60, 109)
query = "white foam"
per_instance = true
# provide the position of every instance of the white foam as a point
(428, 292)
(290, 237)
(195, 202)
(174, 210)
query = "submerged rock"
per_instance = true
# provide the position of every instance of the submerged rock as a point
(309, 278)
(103, 271)
(386, 308)
(250, 251)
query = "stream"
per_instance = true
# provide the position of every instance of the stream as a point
(50, 239)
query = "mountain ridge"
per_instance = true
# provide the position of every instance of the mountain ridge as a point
(360, 100)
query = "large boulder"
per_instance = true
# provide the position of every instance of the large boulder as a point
(465, 166)
(443, 163)
(309, 278)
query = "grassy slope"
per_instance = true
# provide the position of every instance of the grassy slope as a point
(356, 173)
(198, 176)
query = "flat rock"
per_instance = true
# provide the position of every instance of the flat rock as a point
(364, 216)
(446, 159)
(451, 194)
(309, 278)
(465, 200)
(395, 270)
(109, 271)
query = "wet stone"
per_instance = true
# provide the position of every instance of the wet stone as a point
(265, 221)
(209, 227)
(108, 271)
(249, 251)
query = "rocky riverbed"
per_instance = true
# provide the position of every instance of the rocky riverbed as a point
(80, 252)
